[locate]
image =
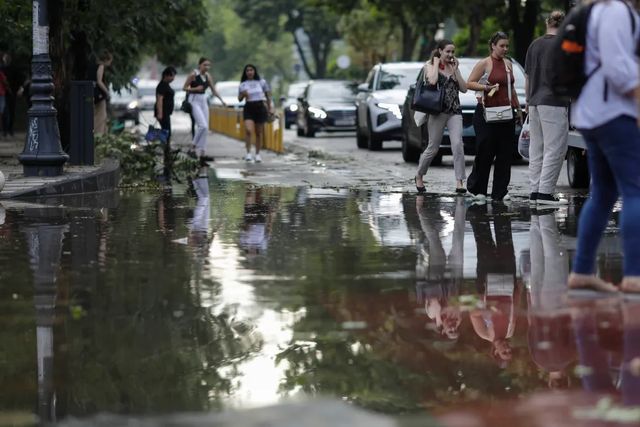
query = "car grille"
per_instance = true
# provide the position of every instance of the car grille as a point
(341, 114)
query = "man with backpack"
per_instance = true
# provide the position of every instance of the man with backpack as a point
(606, 113)
(548, 118)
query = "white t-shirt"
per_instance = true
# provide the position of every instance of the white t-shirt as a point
(255, 90)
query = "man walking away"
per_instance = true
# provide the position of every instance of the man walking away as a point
(548, 118)
(163, 109)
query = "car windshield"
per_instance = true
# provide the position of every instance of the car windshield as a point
(397, 78)
(147, 91)
(228, 90)
(334, 91)
(124, 95)
(296, 90)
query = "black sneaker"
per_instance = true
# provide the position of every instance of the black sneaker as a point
(533, 198)
(550, 199)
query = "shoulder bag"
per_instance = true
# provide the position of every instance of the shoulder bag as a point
(502, 113)
(428, 98)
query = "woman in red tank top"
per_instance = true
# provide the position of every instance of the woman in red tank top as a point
(491, 78)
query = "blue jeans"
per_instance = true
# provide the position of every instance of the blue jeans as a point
(613, 152)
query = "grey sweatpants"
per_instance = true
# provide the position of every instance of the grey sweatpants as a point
(549, 132)
(435, 126)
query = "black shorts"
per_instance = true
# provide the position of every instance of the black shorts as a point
(255, 111)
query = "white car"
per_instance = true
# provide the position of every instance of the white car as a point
(228, 90)
(147, 93)
(379, 103)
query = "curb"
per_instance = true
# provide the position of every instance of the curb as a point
(107, 177)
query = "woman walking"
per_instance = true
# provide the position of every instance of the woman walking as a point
(442, 69)
(100, 92)
(493, 120)
(196, 86)
(257, 108)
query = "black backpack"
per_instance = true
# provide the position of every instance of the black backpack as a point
(567, 76)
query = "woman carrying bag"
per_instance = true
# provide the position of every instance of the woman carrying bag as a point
(442, 70)
(494, 120)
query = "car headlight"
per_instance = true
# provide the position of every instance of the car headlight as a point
(132, 105)
(317, 113)
(394, 108)
(293, 107)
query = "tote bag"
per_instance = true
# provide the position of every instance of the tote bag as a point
(428, 98)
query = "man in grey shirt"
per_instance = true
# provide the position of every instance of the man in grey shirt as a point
(548, 118)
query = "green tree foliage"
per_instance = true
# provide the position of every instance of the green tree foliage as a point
(313, 27)
(231, 45)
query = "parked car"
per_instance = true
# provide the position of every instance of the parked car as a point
(379, 103)
(327, 105)
(147, 93)
(125, 105)
(577, 166)
(415, 139)
(228, 90)
(290, 102)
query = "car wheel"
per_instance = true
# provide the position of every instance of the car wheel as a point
(308, 130)
(577, 168)
(374, 142)
(409, 154)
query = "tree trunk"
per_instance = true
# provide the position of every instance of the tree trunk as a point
(409, 40)
(523, 29)
(475, 27)
(59, 59)
(303, 58)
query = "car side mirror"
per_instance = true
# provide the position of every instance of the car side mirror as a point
(363, 87)
(412, 87)
(300, 99)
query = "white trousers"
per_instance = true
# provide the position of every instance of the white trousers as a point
(200, 112)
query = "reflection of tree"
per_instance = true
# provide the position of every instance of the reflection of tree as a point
(146, 344)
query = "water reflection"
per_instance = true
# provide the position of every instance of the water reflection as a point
(220, 294)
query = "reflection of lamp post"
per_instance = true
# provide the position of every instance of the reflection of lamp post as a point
(44, 240)
(42, 154)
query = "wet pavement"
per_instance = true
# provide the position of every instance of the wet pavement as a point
(225, 295)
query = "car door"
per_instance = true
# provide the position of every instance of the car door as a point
(363, 97)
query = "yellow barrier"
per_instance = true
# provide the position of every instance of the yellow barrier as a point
(229, 121)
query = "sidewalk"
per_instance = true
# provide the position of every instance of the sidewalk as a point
(75, 180)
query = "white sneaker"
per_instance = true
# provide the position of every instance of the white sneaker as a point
(248, 157)
(258, 158)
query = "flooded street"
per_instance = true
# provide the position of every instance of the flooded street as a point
(226, 295)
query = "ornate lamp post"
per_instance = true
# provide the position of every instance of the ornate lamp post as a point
(42, 154)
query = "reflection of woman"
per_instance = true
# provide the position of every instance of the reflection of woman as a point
(496, 279)
(443, 69)
(255, 91)
(255, 231)
(599, 340)
(438, 278)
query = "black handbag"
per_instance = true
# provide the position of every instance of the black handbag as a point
(428, 98)
(186, 105)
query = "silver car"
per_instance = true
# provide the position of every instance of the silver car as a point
(379, 103)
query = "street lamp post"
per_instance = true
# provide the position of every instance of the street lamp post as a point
(42, 154)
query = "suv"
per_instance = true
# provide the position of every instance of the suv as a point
(415, 139)
(379, 103)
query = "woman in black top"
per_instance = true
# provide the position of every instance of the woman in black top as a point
(164, 108)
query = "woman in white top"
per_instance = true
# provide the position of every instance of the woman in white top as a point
(196, 85)
(257, 108)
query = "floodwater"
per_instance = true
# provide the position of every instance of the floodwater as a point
(223, 295)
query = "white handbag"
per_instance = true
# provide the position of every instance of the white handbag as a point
(502, 113)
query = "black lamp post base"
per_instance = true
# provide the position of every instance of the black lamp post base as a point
(42, 170)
